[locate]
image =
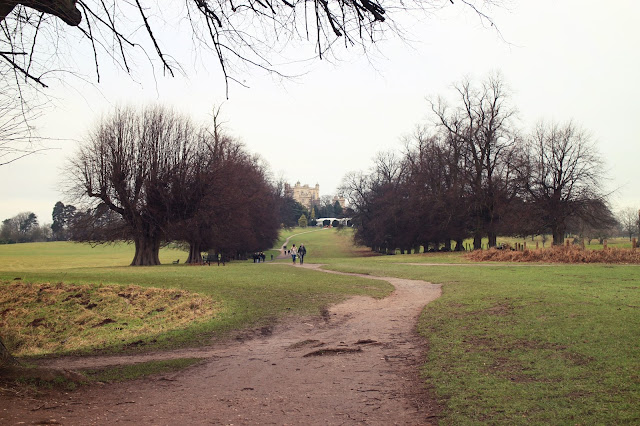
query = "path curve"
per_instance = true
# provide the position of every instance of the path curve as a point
(282, 254)
(357, 364)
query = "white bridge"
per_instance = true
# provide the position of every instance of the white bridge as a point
(345, 221)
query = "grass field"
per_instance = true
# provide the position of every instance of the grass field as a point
(528, 344)
(244, 294)
(326, 245)
(509, 343)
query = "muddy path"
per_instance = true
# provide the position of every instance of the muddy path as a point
(357, 364)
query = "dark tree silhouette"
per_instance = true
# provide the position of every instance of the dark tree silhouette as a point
(437, 190)
(481, 122)
(62, 216)
(381, 217)
(472, 175)
(227, 206)
(290, 211)
(129, 165)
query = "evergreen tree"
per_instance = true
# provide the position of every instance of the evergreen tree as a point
(337, 209)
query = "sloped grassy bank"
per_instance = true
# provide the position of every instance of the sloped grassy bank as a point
(43, 318)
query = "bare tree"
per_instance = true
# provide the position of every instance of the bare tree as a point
(18, 138)
(628, 218)
(246, 32)
(129, 165)
(437, 189)
(564, 177)
(380, 202)
(481, 122)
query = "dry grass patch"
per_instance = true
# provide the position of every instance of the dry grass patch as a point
(42, 319)
(564, 254)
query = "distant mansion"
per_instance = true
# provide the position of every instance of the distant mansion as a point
(303, 194)
(306, 195)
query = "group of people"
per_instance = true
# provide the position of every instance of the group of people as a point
(258, 257)
(298, 252)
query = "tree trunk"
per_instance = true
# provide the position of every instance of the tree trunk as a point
(477, 241)
(147, 251)
(194, 253)
(558, 235)
(493, 239)
(447, 244)
(459, 245)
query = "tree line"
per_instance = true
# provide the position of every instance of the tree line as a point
(471, 173)
(151, 176)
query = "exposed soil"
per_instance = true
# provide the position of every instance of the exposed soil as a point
(357, 364)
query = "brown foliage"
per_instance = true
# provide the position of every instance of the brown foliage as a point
(564, 254)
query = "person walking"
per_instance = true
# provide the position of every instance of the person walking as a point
(301, 252)
(294, 253)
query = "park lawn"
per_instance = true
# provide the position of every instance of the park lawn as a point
(245, 294)
(326, 244)
(530, 344)
(509, 343)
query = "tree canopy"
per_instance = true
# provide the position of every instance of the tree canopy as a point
(150, 176)
(23, 228)
(472, 174)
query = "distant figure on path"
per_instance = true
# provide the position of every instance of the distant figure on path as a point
(301, 252)
(294, 253)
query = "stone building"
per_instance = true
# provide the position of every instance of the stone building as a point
(303, 194)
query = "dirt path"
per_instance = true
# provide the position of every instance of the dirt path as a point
(358, 364)
(282, 254)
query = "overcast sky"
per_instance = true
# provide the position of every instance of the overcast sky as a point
(563, 60)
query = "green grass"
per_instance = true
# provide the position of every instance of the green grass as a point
(249, 294)
(509, 343)
(136, 371)
(525, 345)
(326, 245)
(530, 344)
